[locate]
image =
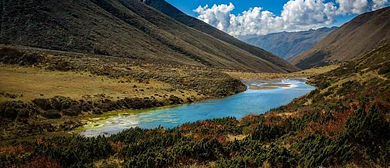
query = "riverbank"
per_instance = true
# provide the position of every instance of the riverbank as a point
(45, 92)
(240, 105)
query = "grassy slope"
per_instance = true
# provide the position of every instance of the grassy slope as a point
(35, 83)
(173, 12)
(232, 55)
(125, 28)
(353, 39)
(345, 122)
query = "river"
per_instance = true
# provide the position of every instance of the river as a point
(260, 97)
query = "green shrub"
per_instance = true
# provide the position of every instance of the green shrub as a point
(75, 151)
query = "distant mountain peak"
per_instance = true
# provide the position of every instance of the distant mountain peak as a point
(288, 44)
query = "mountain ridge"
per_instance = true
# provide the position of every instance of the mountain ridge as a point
(287, 45)
(197, 24)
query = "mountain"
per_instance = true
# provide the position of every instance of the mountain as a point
(288, 44)
(354, 38)
(124, 28)
(197, 24)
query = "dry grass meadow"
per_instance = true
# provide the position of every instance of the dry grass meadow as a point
(34, 83)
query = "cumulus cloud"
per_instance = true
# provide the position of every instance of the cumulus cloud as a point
(377, 4)
(296, 15)
(218, 15)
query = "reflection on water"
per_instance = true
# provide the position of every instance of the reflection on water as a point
(253, 101)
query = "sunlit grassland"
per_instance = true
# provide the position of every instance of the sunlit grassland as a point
(29, 83)
(302, 73)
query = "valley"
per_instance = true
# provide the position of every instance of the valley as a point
(346, 113)
(41, 87)
(139, 83)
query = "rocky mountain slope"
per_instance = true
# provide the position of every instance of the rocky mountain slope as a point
(125, 28)
(287, 45)
(354, 38)
(197, 24)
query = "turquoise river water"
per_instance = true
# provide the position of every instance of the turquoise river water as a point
(265, 95)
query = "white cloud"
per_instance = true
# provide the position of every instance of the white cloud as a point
(218, 15)
(296, 15)
(379, 4)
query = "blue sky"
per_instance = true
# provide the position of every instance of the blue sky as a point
(342, 11)
(188, 6)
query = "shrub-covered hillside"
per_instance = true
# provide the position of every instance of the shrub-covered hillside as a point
(345, 122)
